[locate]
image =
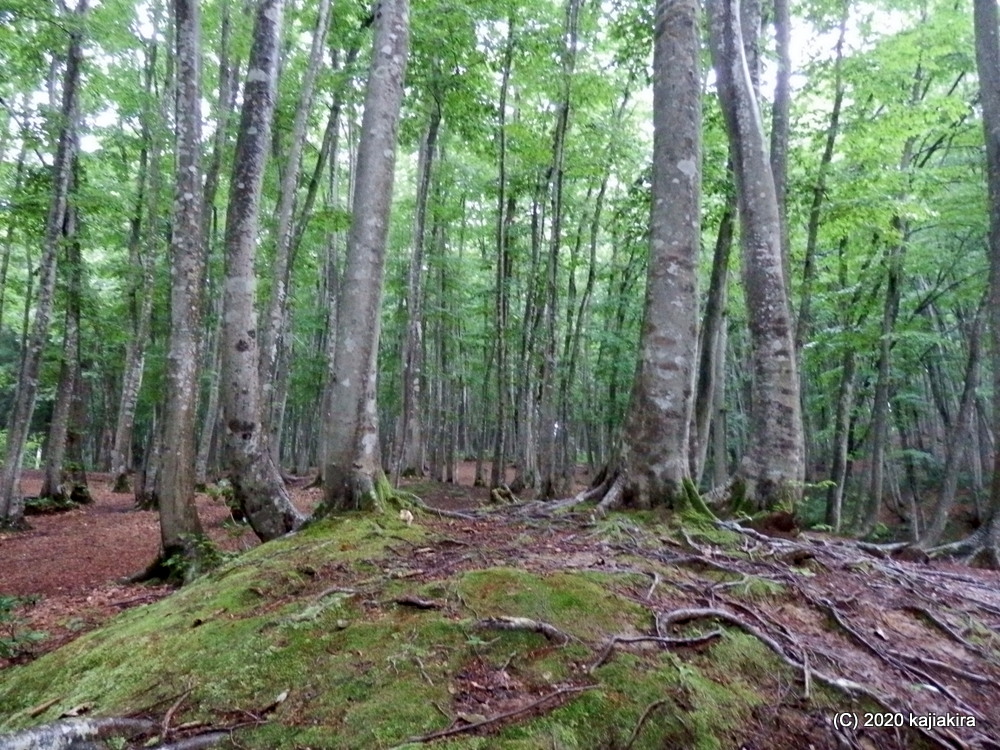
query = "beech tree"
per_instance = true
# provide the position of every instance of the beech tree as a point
(180, 528)
(351, 467)
(655, 463)
(257, 483)
(772, 471)
(985, 542)
(19, 419)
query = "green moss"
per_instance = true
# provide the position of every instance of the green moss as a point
(576, 603)
(361, 672)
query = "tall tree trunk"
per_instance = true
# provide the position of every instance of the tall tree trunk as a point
(19, 421)
(771, 472)
(180, 527)
(549, 427)
(257, 484)
(143, 246)
(506, 203)
(988, 64)
(351, 466)
(655, 453)
(712, 352)
(275, 321)
(409, 441)
(53, 484)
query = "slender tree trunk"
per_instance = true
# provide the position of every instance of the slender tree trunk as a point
(771, 472)
(506, 204)
(352, 463)
(277, 310)
(956, 441)
(53, 481)
(711, 354)
(19, 421)
(180, 527)
(842, 425)
(409, 436)
(143, 250)
(257, 484)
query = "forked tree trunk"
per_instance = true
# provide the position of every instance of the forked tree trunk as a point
(351, 466)
(771, 472)
(19, 420)
(257, 483)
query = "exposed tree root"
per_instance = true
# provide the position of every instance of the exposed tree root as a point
(976, 549)
(665, 642)
(523, 623)
(67, 733)
(471, 727)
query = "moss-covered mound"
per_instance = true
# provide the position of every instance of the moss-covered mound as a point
(364, 632)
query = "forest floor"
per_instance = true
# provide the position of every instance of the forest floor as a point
(71, 566)
(907, 642)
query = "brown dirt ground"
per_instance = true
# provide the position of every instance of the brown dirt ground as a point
(72, 565)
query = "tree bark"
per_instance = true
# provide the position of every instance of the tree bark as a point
(351, 465)
(257, 483)
(656, 446)
(19, 420)
(771, 472)
(276, 316)
(409, 437)
(143, 245)
(712, 352)
(54, 485)
(180, 527)
(985, 543)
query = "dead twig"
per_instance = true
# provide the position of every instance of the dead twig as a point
(423, 672)
(169, 715)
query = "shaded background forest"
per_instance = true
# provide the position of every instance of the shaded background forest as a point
(519, 240)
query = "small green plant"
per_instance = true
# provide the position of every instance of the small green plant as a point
(14, 640)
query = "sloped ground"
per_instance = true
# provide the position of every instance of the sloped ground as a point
(515, 629)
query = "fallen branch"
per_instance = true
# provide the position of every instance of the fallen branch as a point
(523, 623)
(451, 731)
